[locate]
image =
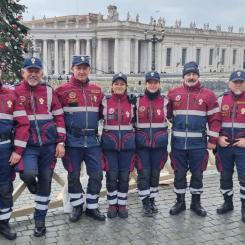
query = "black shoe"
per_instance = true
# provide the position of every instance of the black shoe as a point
(226, 206)
(6, 230)
(122, 211)
(196, 206)
(243, 210)
(179, 206)
(95, 214)
(76, 213)
(147, 207)
(153, 206)
(40, 229)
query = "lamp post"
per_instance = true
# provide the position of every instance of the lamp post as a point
(154, 39)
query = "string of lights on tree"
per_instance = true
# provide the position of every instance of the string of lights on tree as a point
(14, 38)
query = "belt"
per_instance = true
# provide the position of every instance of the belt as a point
(78, 132)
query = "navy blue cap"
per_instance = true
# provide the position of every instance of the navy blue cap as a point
(191, 66)
(152, 75)
(80, 59)
(237, 76)
(120, 75)
(32, 63)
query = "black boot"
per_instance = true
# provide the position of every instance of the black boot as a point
(95, 214)
(179, 206)
(227, 205)
(76, 213)
(243, 210)
(147, 207)
(196, 205)
(153, 206)
(6, 230)
(40, 228)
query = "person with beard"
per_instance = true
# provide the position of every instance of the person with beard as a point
(46, 141)
(13, 119)
(81, 100)
(151, 141)
(231, 142)
(118, 145)
(191, 108)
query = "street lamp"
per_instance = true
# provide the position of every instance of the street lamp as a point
(154, 39)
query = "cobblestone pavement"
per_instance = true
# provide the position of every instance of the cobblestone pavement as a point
(185, 228)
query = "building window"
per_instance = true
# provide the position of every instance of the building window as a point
(198, 55)
(234, 57)
(223, 57)
(211, 56)
(184, 53)
(168, 57)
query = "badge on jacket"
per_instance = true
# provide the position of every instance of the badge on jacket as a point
(9, 103)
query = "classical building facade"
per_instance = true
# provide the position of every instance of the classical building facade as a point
(115, 45)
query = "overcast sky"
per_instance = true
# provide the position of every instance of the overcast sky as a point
(214, 12)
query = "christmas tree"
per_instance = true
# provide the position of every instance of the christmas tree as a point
(13, 38)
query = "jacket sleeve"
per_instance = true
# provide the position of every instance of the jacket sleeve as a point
(58, 115)
(214, 118)
(22, 126)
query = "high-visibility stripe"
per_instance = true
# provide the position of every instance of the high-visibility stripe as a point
(153, 194)
(214, 134)
(152, 125)
(122, 195)
(114, 193)
(92, 205)
(116, 127)
(234, 125)
(40, 117)
(187, 134)
(153, 189)
(89, 196)
(144, 192)
(122, 202)
(20, 143)
(75, 195)
(228, 192)
(61, 130)
(242, 196)
(81, 109)
(190, 112)
(41, 198)
(5, 216)
(6, 116)
(179, 191)
(213, 111)
(113, 201)
(4, 210)
(77, 202)
(41, 206)
(19, 113)
(193, 190)
(5, 142)
(57, 112)
(242, 188)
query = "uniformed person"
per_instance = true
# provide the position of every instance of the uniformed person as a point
(47, 136)
(151, 141)
(191, 108)
(231, 142)
(81, 100)
(13, 120)
(118, 144)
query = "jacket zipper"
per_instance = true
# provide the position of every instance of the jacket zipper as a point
(86, 118)
(233, 116)
(33, 106)
(150, 123)
(119, 123)
(186, 119)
